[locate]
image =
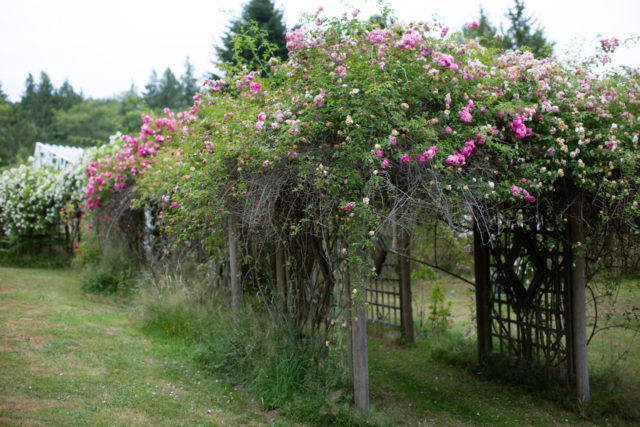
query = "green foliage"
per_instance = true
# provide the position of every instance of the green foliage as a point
(35, 251)
(170, 91)
(265, 356)
(86, 124)
(520, 34)
(439, 309)
(269, 27)
(16, 134)
(109, 268)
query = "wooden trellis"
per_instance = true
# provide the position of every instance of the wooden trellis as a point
(389, 294)
(383, 295)
(524, 296)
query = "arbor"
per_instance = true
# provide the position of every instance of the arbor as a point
(267, 19)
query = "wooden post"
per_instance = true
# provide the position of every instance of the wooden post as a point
(404, 274)
(360, 350)
(347, 296)
(481, 257)
(281, 280)
(578, 303)
(236, 285)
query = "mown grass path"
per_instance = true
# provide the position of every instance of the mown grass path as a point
(69, 359)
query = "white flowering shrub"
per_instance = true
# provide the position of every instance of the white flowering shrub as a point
(33, 202)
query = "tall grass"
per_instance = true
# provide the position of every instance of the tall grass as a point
(253, 349)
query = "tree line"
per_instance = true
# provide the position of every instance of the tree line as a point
(65, 116)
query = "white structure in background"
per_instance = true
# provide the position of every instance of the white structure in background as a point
(56, 156)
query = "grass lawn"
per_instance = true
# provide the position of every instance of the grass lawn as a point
(71, 359)
(435, 381)
(67, 358)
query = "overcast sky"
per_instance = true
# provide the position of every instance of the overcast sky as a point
(103, 47)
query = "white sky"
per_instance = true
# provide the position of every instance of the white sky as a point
(103, 47)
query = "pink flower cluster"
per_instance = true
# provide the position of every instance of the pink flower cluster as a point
(460, 158)
(465, 113)
(113, 173)
(377, 36)
(409, 39)
(262, 117)
(255, 87)
(318, 101)
(522, 193)
(609, 45)
(429, 155)
(519, 129)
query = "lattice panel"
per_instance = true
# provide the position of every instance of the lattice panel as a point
(528, 299)
(383, 295)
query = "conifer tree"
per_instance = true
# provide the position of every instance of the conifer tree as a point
(189, 84)
(267, 18)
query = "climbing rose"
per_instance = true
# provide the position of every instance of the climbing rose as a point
(255, 87)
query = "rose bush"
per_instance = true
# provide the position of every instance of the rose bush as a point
(362, 121)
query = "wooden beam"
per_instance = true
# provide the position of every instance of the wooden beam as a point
(360, 357)
(404, 273)
(481, 257)
(578, 303)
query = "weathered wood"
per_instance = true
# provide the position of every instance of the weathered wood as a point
(481, 257)
(578, 304)
(347, 297)
(404, 274)
(359, 345)
(360, 360)
(234, 271)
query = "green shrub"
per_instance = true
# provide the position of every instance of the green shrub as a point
(36, 251)
(268, 357)
(108, 270)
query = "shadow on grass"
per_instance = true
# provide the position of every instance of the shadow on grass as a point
(439, 379)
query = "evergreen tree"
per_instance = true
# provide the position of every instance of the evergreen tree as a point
(269, 20)
(521, 34)
(86, 124)
(518, 36)
(189, 84)
(66, 97)
(170, 92)
(484, 32)
(151, 90)
(28, 102)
